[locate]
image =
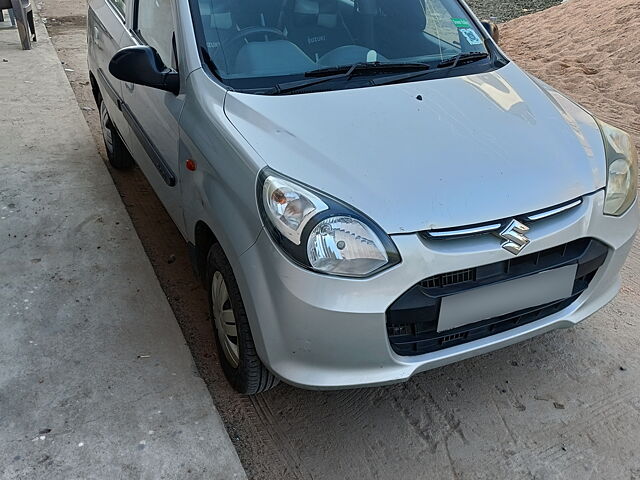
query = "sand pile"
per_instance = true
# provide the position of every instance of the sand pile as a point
(505, 10)
(588, 49)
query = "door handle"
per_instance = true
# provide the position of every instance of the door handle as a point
(97, 37)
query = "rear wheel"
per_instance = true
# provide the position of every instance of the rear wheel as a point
(237, 351)
(117, 153)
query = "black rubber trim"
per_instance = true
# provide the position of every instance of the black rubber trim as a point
(412, 320)
(419, 345)
(165, 172)
(108, 88)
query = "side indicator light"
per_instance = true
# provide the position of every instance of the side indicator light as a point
(191, 165)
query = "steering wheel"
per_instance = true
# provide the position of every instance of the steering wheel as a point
(232, 44)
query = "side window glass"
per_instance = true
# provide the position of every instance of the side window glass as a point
(155, 26)
(120, 6)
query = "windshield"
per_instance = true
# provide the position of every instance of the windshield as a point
(266, 40)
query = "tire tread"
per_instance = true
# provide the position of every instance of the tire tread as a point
(120, 158)
(251, 376)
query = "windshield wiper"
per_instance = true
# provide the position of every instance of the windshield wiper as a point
(466, 57)
(449, 64)
(323, 75)
(367, 66)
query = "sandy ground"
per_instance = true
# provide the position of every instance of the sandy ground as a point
(507, 10)
(586, 50)
(564, 405)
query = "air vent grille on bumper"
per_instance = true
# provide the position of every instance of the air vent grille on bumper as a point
(412, 320)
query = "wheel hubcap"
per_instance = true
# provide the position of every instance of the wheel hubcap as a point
(224, 319)
(105, 121)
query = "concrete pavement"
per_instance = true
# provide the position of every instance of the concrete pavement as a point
(95, 378)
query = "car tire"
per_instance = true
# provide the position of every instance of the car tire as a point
(237, 352)
(117, 152)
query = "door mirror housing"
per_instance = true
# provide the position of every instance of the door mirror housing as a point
(492, 29)
(143, 66)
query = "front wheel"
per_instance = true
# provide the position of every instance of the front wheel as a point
(238, 357)
(117, 153)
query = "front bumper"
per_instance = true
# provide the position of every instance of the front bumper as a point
(321, 332)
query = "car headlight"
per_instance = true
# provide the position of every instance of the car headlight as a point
(622, 170)
(321, 233)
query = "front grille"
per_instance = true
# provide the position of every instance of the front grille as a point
(484, 228)
(452, 278)
(412, 320)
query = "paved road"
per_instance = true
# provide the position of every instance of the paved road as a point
(95, 378)
(565, 405)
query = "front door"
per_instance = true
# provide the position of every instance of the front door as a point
(153, 114)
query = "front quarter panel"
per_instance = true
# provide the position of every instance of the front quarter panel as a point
(221, 191)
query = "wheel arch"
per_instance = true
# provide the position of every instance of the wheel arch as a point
(95, 89)
(204, 238)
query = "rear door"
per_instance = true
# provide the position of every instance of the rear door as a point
(153, 114)
(106, 28)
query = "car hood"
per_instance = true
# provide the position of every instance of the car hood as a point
(432, 154)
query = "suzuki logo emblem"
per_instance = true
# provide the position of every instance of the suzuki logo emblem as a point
(514, 236)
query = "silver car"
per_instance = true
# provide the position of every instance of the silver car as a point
(369, 189)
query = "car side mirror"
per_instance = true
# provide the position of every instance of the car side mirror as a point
(143, 66)
(493, 30)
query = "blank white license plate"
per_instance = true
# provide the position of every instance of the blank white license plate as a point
(499, 299)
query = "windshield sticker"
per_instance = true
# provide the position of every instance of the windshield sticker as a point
(460, 22)
(471, 36)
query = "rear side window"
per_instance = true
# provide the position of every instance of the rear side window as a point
(120, 6)
(156, 27)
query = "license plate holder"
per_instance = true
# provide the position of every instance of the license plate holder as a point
(502, 298)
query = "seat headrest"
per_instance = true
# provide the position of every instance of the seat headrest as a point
(323, 13)
(410, 14)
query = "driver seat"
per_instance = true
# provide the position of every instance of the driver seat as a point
(400, 30)
(223, 19)
(315, 26)
(218, 21)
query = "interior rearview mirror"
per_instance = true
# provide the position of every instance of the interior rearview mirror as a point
(492, 28)
(143, 66)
